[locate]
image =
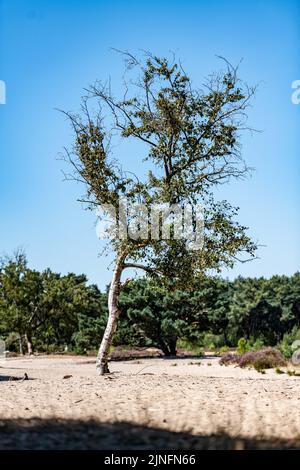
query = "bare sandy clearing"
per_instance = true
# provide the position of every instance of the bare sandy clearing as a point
(174, 395)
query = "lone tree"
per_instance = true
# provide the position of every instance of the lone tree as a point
(191, 140)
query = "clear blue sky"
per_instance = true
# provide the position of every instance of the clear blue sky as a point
(51, 50)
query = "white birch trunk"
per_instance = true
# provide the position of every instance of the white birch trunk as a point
(29, 344)
(113, 315)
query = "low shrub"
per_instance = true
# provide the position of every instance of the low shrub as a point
(242, 346)
(267, 358)
(229, 358)
(264, 359)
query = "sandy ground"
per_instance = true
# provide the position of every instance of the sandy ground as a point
(197, 397)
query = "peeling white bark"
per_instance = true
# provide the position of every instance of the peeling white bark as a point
(113, 315)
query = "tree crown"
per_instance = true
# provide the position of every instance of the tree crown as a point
(191, 138)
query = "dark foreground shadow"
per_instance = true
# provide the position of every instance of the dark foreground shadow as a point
(37, 434)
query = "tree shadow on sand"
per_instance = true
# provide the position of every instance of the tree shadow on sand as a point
(37, 434)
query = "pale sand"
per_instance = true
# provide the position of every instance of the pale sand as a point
(171, 394)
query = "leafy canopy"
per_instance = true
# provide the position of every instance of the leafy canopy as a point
(191, 139)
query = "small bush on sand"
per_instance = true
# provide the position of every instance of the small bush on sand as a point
(242, 346)
(264, 359)
(267, 358)
(229, 358)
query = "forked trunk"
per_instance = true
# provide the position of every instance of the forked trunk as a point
(113, 315)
